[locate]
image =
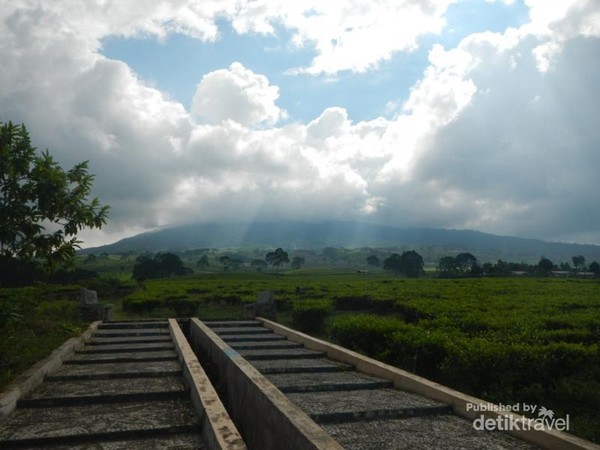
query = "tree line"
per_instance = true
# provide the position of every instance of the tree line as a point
(465, 264)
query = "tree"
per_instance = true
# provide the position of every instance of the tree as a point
(260, 264)
(42, 207)
(545, 266)
(579, 262)
(297, 262)
(276, 258)
(145, 268)
(447, 266)
(373, 261)
(236, 263)
(393, 263)
(595, 268)
(169, 264)
(465, 261)
(90, 259)
(412, 264)
(161, 265)
(202, 263)
(225, 262)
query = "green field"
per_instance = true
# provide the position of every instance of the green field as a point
(508, 340)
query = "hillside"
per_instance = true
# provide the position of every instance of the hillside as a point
(304, 235)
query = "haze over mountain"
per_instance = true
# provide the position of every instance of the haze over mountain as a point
(445, 114)
(304, 235)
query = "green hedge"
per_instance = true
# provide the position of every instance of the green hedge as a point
(310, 315)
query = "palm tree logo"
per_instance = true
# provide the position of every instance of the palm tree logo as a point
(546, 414)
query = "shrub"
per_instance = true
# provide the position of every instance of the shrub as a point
(141, 305)
(365, 333)
(183, 307)
(310, 315)
(353, 302)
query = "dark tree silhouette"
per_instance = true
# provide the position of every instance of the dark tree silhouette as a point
(277, 258)
(373, 261)
(36, 196)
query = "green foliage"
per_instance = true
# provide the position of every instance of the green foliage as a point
(36, 194)
(298, 262)
(277, 258)
(310, 315)
(159, 266)
(410, 263)
(33, 322)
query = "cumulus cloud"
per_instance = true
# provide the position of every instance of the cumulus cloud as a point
(236, 94)
(499, 134)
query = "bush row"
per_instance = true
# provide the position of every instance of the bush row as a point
(475, 365)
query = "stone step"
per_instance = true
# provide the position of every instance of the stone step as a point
(99, 358)
(328, 407)
(104, 398)
(166, 442)
(131, 333)
(426, 432)
(231, 323)
(127, 348)
(224, 331)
(130, 340)
(321, 382)
(296, 366)
(97, 388)
(115, 370)
(267, 337)
(294, 353)
(132, 325)
(96, 422)
(267, 345)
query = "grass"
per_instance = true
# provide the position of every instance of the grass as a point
(507, 340)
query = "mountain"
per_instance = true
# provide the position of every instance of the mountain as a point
(305, 235)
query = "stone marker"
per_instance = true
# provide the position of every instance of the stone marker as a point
(263, 307)
(90, 309)
(87, 297)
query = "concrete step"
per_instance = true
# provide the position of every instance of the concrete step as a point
(97, 422)
(131, 333)
(296, 366)
(232, 323)
(129, 340)
(265, 345)
(99, 358)
(267, 337)
(294, 353)
(224, 331)
(426, 432)
(127, 348)
(115, 370)
(97, 388)
(328, 407)
(167, 442)
(132, 325)
(321, 382)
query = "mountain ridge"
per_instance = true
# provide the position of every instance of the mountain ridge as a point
(314, 235)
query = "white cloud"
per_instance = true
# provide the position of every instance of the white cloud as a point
(354, 36)
(236, 94)
(486, 139)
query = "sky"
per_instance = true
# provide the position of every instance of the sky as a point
(463, 114)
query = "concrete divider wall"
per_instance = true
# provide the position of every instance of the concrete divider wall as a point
(217, 428)
(402, 379)
(265, 417)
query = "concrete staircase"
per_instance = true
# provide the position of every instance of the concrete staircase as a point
(123, 389)
(140, 385)
(359, 411)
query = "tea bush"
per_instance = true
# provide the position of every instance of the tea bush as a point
(310, 315)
